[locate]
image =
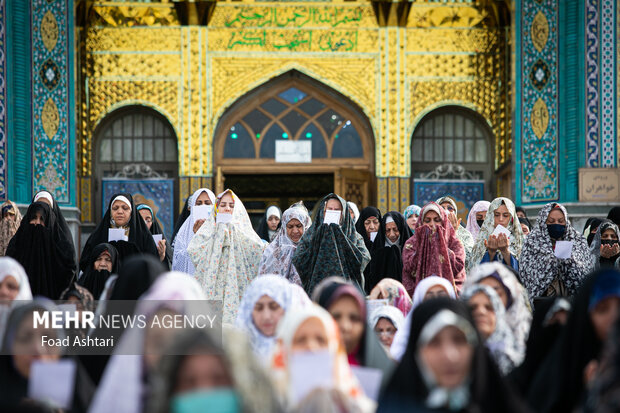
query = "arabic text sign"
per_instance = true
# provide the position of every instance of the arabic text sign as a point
(599, 184)
(294, 151)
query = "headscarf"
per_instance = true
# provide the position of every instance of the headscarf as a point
(394, 292)
(540, 340)
(462, 234)
(366, 213)
(326, 250)
(472, 224)
(518, 313)
(63, 238)
(370, 352)
(9, 266)
(82, 294)
(392, 314)
(250, 381)
(122, 386)
(181, 260)
(433, 252)
(279, 290)
(183, 215)
(139, 240)
(156, 229)
(343, 378)
(412, 387)
(595, 245)
(614, 215)
(589, 230)
(539, 266)
(94, 280)
(8, 227)
(516, 233)
(559, 385)
(226, 257)
(387, 261)
(278, 256)
(356, 212)
(501, 343)
(33, 246)
(411, 210)
(399, 344)
(263, 231)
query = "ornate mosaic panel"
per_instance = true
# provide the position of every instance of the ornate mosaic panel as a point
(3, 135)
(466, 194)
(50, 97)
(601, 130)
(608, 83)
(156, 193)
(539, 105)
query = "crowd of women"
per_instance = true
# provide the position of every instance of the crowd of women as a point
(330, 310)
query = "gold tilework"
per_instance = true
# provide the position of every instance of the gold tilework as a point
(448, 53)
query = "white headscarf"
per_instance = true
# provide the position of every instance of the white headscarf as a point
(278, 289)
(355, 209)
(391, 313)
(180, 260)
(123, 199)
(472, 224)
(8, 266)
(45, 195)
(399, 344)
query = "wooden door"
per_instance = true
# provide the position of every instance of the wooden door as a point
(353, 185)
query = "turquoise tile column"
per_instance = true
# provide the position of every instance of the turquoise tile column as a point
(18, 94)
(53, 106)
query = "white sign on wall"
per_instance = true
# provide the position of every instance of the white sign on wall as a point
(294, 151)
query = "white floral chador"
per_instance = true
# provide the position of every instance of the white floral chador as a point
(226, 257)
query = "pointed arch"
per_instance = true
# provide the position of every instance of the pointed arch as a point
(293, 106)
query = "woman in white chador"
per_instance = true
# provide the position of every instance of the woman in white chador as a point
(226, 253)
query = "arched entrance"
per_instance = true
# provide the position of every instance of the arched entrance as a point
(136, 152)
(294, 116)
(452, 154)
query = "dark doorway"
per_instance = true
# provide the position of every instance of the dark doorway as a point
(259, 191)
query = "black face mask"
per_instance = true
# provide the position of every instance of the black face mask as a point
(480, 222)
(556, 231)
(609, 241)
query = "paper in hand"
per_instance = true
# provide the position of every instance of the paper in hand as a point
(116, 234)
(157, 238)
(202, 211)
(373, 235)
(563, 249)
(370, 380)
(52, 382)
(223, 218)
(332, 217)
(309, 371)
(500, 229)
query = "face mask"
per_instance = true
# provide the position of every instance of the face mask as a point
(480, 222)
(608, 242)
(220, 400)
(556, 231)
